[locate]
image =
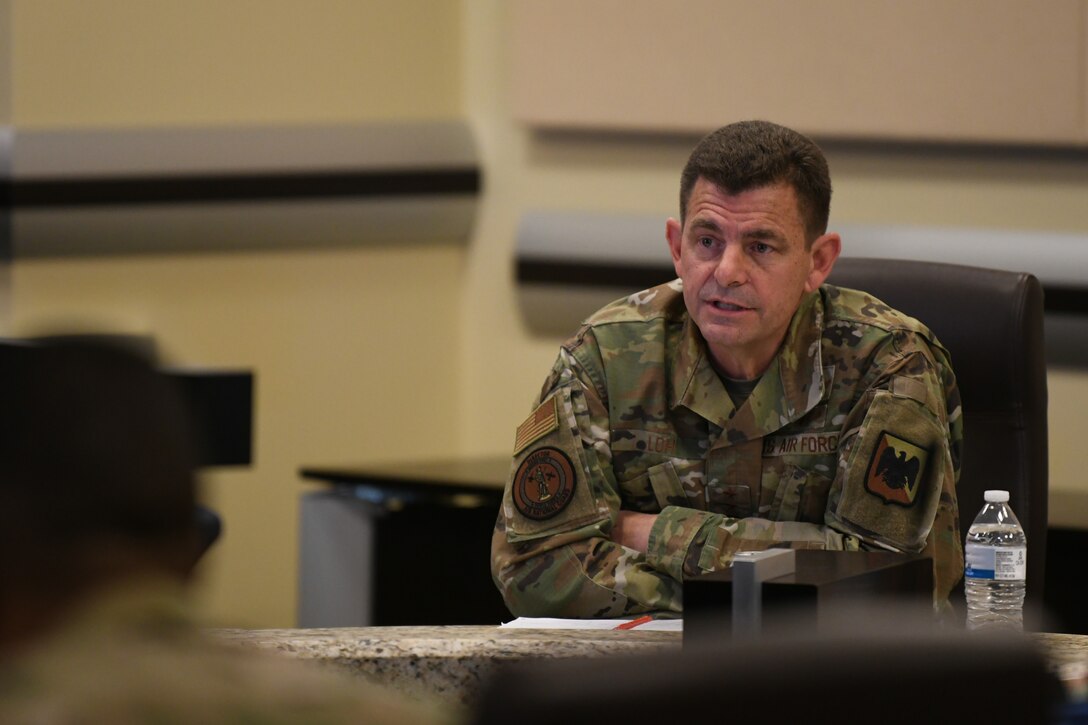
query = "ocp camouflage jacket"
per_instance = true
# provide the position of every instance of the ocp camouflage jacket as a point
(850, 440)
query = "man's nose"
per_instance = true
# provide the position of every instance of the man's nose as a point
(732, 269)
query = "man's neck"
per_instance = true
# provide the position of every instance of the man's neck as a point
(739, 390)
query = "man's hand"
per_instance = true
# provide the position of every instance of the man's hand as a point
(632, 529)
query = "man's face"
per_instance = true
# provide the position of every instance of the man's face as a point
(745, 267)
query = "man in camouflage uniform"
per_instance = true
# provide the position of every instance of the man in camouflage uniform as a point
(744, 406)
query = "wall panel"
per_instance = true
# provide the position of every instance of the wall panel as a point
(973, 70)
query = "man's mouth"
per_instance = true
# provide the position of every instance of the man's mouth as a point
(728, 306)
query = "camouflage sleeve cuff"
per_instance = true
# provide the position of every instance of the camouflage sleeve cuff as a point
(671, 536)
(707, 542)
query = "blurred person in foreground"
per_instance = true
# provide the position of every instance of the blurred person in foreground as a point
(97, 496)
(743, 406)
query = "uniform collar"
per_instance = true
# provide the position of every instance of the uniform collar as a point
(790, 387)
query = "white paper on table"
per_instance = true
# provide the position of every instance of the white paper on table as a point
(661, 625)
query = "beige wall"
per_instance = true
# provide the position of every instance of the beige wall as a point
(354, 349)
(133, 62)
(5, 62)
(312, 322)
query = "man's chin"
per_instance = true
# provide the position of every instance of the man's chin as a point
(721, 329)
(724, 340)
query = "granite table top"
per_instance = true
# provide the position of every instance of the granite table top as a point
(444, 663)
(451, 663)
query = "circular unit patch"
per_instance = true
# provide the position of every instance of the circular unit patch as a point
(543, 484)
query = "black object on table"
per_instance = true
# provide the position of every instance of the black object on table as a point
(823, 583)
(431, 523)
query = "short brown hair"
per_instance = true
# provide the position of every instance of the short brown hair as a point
(752, 154)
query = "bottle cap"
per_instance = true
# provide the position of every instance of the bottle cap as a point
(996, 496)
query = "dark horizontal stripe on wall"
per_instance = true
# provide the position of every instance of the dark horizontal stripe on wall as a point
(590, 274)
(1056, 298)
(1069, 300)
(99, 191)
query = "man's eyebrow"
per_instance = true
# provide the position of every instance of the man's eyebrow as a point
(763, 233)
(758, 233)
(706, 224)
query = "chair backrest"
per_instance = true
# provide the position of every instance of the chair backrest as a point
(991, 322)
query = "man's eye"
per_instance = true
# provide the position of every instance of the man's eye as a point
(706, 242)
(761, 248)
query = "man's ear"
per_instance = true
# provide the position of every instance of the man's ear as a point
(674, 235)
(825, 250)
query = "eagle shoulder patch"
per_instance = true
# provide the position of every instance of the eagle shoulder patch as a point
(896, 469)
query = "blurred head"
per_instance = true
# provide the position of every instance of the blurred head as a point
(96, 468)
(752, 154)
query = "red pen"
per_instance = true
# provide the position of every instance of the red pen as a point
(635, 622)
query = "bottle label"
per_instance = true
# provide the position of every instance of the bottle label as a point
(1008, 563)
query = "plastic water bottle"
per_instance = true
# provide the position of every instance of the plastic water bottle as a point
(996, 566)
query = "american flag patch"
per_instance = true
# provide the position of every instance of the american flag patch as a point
(540, 422)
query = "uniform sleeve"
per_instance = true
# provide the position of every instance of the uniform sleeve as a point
(894, 488)
(551, 554)
(900, 460)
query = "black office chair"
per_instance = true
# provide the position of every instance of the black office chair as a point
(991, 322)
(220, 405)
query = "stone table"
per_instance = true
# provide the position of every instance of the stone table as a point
(450, 663)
